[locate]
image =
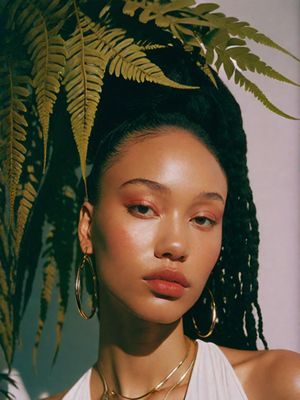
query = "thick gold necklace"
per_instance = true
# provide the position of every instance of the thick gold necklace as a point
(108, 394)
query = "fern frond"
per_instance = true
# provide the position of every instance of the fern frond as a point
(28, 196)
(128, 59)
(59, 326)
(66, 230)
(249, 61)
(146, 45)
(6, 331)
(249, 86)
(3, 281)
(131, 6)
(154, 10)
(49, 278)
(5, 342)
(5, 313)
(14, 90)
(204, 8)
(243, 30)
(47, 52)
(206, 69)
(83, 83)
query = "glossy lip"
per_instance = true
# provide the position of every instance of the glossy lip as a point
(169, 276)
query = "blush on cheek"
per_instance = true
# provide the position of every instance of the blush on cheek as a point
(112, 239)
(213, 253)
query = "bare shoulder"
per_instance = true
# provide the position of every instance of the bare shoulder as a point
(273, 374)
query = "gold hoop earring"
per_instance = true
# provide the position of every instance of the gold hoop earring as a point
(213, 319)
(86, 260)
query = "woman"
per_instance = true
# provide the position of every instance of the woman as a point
(170, 219)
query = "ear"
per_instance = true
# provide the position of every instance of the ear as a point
(84, 227)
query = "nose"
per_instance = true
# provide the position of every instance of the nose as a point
(172, 241)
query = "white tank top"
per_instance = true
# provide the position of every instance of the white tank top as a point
(213, 378)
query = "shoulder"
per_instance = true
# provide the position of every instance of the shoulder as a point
(273, 374)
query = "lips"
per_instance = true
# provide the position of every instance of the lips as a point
(167, 283)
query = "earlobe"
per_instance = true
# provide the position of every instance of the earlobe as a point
(84, 227)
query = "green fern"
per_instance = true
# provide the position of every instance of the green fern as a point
(83, 83)
(207, 70)
(249, 86)
(66, 223)
(47, 52)
(154, 10)
(241, 29)
(60, 320)
(147, 45)
(6, 329)
(28, 196)
(49, 278)
(5, 342)
(246, 60)
(128, 59)
(5, 315)
(13, 95)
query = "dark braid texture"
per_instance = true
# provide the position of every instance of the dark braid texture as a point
(128, 111)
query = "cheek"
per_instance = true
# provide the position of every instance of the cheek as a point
(119, 243)
(206, 255)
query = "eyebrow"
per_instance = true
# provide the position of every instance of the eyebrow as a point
(158, 187)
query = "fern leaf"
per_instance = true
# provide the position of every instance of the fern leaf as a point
(146, 45)
(47, 52)
(252, 88)
(5, 342)
(131, 6)
(14, 92)
(206, 69)
(205, 8)
(63, 252)
(243, 30)
(5, 312)
(160, 12)
(6, 331)
(3, 281)
(249, 61)
(58, 329)
(49, 278)
(128, 59)
(28, 197)
(83, 83)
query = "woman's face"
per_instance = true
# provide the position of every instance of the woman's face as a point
(157, 228)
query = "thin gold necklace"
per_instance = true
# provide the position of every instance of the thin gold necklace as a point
(112, 393)
(182, 377)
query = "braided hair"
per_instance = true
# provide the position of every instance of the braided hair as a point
(129, 111)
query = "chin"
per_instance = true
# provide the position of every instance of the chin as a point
(162, 311)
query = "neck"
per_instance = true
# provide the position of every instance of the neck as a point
(135, 355)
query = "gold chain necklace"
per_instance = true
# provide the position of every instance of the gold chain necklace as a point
(112, 393)
(181, 379)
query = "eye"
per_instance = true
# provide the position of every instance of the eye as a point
(141, 209)
(204, 221)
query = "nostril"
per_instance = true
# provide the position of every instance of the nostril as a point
(174, 257)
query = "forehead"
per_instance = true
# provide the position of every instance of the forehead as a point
(173, 157)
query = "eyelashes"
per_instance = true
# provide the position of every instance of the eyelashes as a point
(146, 211)
(141, 209)
(205, 221)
